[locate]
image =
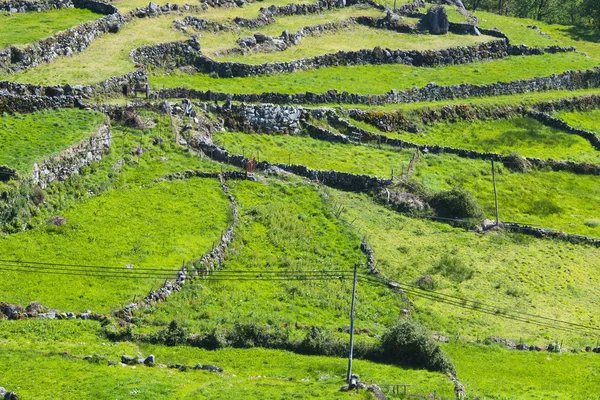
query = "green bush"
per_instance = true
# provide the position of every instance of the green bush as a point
(174, 335)
(410, 343)
(456, 203)
(320, 341)
(246, 335)
(545, 207)
(453, 268)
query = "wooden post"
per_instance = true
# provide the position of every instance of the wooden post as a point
(495, 193)
(352, 326)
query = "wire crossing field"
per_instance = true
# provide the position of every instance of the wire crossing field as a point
(491, 269)
(28, 138)
(285, 227)
(24, 28)
(156, 227)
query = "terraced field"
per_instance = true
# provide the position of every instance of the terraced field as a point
(203, 242)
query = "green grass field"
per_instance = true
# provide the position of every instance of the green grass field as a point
(407, 248)
(28, 138)
(588, 120)
(377, 79)
(495, 373)
(286, 226)
(549, 199)
(526, 136)
(23, 28)
(155, 227)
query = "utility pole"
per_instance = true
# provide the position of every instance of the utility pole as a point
(495, 193)
(352, 326)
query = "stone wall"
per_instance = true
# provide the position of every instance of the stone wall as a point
(569, 80)
(185, 54)
(27, 104)
(66, 43)
(46, 5)
(555, 165)
(201, 267)
(22, 6)
(70, 161)
(339, 180)
(266, 118)
(109, 87)
(547, 119)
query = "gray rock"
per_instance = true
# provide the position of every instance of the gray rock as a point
(437, 20)
(150, 360)
(212, 368)
(128, 360)
(3, 391)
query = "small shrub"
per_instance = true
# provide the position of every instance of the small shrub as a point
(453, 268)
(425, 282)
(592, 223)
(320, 341)
(217, 339)
(456, 203)
(174, 335)
(247, 335)
(517, 162)
(410, 343)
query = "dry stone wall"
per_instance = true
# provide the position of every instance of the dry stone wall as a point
(186, 54)
(66, 43)
(70, 161)
(26, 104)
(46, 5)
(569, 80)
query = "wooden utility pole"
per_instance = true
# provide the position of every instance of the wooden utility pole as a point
(352, 326)
(495, 193)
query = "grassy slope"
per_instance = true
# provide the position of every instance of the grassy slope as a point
(407, 248)
(495, 373)
(28, 138)
(156, 227)
(524, 197)
(377, 79)
(284, 227)
(50, 352)
(362, 38)
(525, 136)
(23, 28)
(107, 56)
(588, 120)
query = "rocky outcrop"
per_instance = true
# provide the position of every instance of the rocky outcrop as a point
(70, 161)
(437, 20)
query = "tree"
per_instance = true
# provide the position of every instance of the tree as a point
(591, 9)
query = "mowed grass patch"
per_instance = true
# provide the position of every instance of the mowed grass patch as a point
(106, 56)
(28, 138)
(362, 38)
(287, 228)
(588, 120)
(505, 270)
(378, 79)
(24, 28)
(557, 200)
(525, 136)
(496, 373)
(155, 227)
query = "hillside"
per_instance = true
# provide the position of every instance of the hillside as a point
(188, 193)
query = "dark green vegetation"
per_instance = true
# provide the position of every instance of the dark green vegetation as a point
(25, 28)
(28, 138)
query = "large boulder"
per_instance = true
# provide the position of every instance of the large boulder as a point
(437, 20)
